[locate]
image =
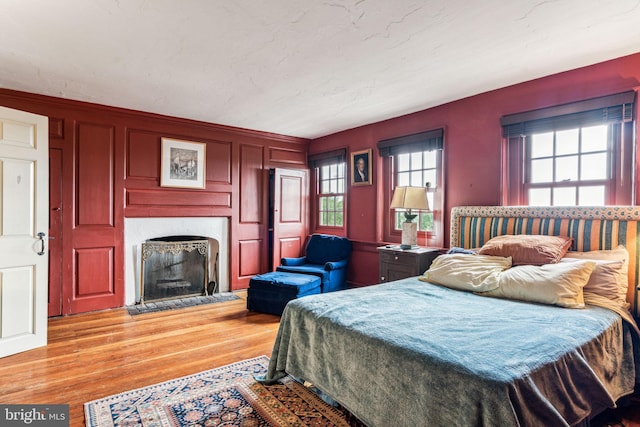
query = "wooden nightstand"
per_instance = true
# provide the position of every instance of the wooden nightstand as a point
(396, 264)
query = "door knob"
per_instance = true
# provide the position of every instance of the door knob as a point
(41, 237)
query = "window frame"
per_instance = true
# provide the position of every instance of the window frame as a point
(320, 195)
(389, 148)
(608, 182)
(316, 162)
(429, 184)
(615, 111)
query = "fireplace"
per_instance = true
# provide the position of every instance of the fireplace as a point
(174, 267)
(137, 231)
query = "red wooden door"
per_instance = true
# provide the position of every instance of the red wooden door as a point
(290, 201)
(96, 236)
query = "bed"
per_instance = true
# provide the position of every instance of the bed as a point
(412, 352)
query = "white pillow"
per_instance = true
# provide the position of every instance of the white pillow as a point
(557, 284)
(610, 276)
(477, 273)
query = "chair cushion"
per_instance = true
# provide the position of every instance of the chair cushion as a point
(315, 270)
(323, 248)
(295, 283)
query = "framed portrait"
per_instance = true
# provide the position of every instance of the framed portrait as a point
(361, 167)
(183, 164)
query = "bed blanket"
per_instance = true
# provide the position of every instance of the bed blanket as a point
(411, 353)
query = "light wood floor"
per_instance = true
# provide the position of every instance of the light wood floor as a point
(97, 354)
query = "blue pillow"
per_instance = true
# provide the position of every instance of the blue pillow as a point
(461, 251)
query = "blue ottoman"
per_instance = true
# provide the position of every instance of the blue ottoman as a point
(270, 292)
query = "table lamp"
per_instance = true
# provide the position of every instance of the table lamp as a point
(409, 198)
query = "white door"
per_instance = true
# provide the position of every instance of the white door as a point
(24, 207)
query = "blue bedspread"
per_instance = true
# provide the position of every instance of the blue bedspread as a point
(410, 353)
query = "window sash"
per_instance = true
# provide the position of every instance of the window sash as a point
(330, 194)
(616, 111)
(435, 238)
(618, 185)
(428, 173)
(331, 210)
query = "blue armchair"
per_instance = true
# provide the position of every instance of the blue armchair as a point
(326, 257)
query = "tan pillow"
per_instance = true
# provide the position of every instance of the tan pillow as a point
(610, 276)
(557, 284)
(528, 249)
(477, 273)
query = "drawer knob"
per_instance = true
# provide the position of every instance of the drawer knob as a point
(396, 257)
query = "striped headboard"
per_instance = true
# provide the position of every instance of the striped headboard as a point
(592, 228)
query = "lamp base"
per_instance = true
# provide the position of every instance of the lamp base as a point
(409, 235)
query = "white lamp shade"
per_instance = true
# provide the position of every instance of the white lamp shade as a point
(410, 198)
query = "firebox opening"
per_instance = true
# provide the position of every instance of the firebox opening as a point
(174, 267)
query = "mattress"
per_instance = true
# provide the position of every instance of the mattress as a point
(410, 353)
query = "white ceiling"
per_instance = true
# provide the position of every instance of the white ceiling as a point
(304, 68)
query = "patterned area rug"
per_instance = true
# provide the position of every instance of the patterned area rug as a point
(226, 396)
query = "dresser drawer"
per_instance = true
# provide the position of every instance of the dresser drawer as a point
(396, 264)
(399, 258)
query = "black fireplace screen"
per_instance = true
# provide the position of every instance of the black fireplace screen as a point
(174, 267)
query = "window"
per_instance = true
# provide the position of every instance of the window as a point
(331, 195)
(330, 181)
(415, 170)
(569, 167)
(414, 160)
(577, 154)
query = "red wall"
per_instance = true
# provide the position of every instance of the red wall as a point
(111, 157)
(473, 145)
(110, 161)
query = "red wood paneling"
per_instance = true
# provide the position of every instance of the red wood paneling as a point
(250, 230)
(363, 253)
(112, 166)
(94, 269)
(95, 174)
(56, 128)
(218, 162)
(55, 232)
(251, 183)
(177, 198)
(287, 156)
(145, 197)
(290, 247)
(143, 154)
(250, 257)
(97, 231)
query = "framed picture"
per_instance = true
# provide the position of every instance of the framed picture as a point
(182, 164)
(361, 167)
